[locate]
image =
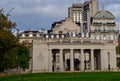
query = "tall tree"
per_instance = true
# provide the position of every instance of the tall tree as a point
(12, 53)
(7, 40)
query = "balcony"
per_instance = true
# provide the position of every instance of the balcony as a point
(97, 24)
(104, 31)
(111, 24)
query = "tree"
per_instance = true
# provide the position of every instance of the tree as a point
(7, 40)
(12, 53)
(7, 43)
(5, 23)
(22, 56)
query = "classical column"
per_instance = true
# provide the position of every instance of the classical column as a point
(71, 60)
(92, 60)
(50, 60)
(82, 60)
(102, 54)
(61, 59)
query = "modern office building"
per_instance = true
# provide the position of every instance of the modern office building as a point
(85, 41)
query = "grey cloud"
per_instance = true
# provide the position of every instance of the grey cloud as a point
(42, 13)
(109, 1)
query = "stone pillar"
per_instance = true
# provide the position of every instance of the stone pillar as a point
(102, 54)
(92, 60)
(82, 60)
(50, 60)
(61, 60)
(71, 60)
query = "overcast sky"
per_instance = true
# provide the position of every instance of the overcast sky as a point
(37, 14)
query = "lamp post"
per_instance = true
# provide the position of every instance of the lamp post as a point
(109, 61)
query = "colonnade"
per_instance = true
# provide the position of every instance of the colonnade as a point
(73, 60)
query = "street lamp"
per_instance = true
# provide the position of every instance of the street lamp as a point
(109, 61)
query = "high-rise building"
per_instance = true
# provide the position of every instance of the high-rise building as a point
(82, 14)
(79, 12)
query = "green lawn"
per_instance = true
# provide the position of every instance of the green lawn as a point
(82, 76)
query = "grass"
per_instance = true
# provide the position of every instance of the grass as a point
(77, 76)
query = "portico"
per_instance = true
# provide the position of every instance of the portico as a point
(75, 59)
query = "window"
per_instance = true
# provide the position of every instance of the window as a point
(111, 37)
(95, 29)
(103, 28)
(98, 29)
(104, 37)
(60, 32)
(112, 29)
(74, 20)
(94, 36)
(109, 29)
(74, 14)
(98, 37)
(77, 14)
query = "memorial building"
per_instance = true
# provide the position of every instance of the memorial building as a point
(84, 41)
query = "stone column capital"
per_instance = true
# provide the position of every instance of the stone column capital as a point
(61, 49)
(92, 49)
(82, 49)
(71, 49)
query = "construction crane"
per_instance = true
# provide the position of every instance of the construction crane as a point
(8, 14)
